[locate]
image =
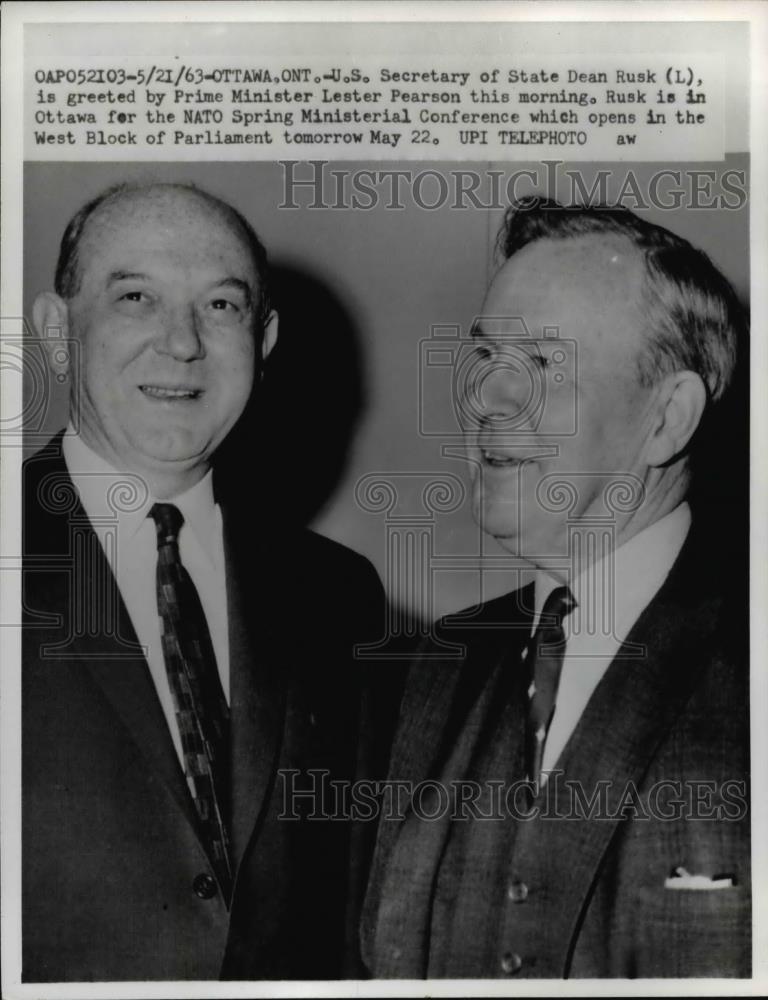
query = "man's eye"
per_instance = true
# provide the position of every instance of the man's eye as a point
(483, 352)
(133, 297)
(223, 304)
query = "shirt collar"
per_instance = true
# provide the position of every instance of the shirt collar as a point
(639, 568)
(108, 495)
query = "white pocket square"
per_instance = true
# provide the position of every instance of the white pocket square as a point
(682, 879)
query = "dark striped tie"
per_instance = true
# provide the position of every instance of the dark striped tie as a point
(544, 662)
(202, 713)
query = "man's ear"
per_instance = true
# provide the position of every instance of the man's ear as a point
(682, 398)
(50, 317)
(269, 338)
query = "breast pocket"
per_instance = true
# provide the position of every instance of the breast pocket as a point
(693, 932)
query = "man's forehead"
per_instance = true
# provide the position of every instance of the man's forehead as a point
(564, 283)
(155, 198)
(166, 213)
(576, 263)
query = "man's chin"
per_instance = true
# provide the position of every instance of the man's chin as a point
(170, 444)
(171, 457)
(518, 539)
(496, 519)
(510, 543)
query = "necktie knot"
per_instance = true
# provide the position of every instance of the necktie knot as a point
(560, 603)
(168, 521)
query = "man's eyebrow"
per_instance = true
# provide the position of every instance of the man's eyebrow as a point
(126, 276)
(494, 328)
(231, 282)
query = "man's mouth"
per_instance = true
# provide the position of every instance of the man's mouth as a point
(170, 392)
(499, 460)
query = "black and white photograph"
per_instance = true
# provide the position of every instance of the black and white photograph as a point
(383, 501)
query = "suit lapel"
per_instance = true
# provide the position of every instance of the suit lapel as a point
(130, 690)
(629, 714)
(257, 685)
(118, 667)
(111, 656)
(443, 694)
(432, 742)
(439, 696)
(257, 694)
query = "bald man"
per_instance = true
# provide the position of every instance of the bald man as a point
(186, 659)
(580, 766)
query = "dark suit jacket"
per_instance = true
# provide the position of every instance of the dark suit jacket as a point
(568, 893)
(111, 854)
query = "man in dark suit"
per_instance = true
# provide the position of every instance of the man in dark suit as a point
(579, 767)
(187, 659)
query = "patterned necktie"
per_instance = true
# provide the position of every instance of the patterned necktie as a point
(201, 709)
(545, 661)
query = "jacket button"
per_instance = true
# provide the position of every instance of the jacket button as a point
(517, 892)
(204, 886)
(511, 963)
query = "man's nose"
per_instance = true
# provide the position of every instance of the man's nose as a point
(502, 394)
(181, 336)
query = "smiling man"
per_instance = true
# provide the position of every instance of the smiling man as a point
(180, 654)
(580, 768)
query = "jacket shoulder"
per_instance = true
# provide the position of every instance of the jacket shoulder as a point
(330, 568)
(321, 549)
(48, 498)
(503, 618)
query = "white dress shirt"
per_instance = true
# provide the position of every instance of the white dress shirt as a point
(120, 519)
(610, 594)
